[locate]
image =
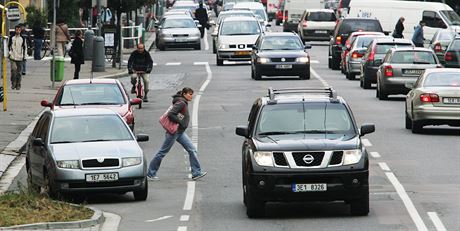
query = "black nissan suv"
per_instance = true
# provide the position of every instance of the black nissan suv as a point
(303, 145)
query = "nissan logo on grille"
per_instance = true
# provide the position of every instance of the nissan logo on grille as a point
(308, 159)
(240, 46)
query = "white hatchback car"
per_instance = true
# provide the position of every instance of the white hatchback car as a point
(236, 37)
(316, 24)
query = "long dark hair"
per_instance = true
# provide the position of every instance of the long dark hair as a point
(186, 90)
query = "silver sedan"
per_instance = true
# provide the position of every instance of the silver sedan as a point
(434, 99)
(178, 31)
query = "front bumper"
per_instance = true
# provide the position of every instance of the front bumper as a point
(234, 54)
(180, 42)
(271, 69)
(341, 186)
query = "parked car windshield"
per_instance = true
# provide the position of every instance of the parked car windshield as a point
(321, 17)
(281, 43)
(413, 57)
(91, 94)
(383, 48)
(240, 28)
(179, 23)
(442, 80)
(89, 129)
(330, 120)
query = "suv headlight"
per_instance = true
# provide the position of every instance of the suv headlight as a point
(263, 60)
(351, 156)
(263, 158)
(130, 161)
(303, 60)
(68, 164)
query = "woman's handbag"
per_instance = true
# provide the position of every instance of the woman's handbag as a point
(170, 126)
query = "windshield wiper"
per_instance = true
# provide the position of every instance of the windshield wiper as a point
(420, 62)
(96, 140)
(273, 133)
(62, 142)
(309, 132)
(241, 34)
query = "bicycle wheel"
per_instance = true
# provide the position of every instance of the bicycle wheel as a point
(45, 50)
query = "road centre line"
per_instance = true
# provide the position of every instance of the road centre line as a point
(173, 64)
(407, 202)
(184, 217)
(436, 221)
(182, 228)
(384, 167)
(366, 142)
(316, 75)
(189, 196)
(375, 154)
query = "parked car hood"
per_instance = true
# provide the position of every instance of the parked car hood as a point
(180, 31)
(282, 53)
(238, 39)
(76, 151)
(301, 142)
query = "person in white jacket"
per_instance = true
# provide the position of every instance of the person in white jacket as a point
(17, 53)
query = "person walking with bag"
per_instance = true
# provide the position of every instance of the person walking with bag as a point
(399, 28)
(76, 53)
(418, 37)
(179, 114)
(62, 36)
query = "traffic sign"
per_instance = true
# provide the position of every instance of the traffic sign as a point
(13, 14)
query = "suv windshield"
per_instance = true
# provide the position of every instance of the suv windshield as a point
(321, 17)
(349, 26)
(240, 28)
(330, 120)
(413, 57)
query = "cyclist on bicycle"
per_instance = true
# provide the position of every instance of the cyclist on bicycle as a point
(140, 62)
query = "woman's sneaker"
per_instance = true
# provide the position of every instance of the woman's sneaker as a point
(202, 174)
(152, 178)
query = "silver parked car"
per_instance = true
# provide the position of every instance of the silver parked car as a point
(401, 66)
(355, 54)
(178, 31)
(85, 150)
(440, 41)
(236, 37)
(434, 99)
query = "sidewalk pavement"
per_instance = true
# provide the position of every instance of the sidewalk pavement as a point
(23, 108)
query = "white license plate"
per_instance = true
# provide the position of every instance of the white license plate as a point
(451, 100)
(181, 40)
(415, 72)
(283, 66)
(321, 32)
(309, 187)
(102, 177)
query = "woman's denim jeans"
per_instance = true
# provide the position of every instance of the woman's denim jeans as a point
(185, 141)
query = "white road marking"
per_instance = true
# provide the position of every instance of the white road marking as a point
(316, 75)
(205, 38)
(384, 167)
(366, 142)
(407, 202)
(436, 221)
(173, 64)
(314, 61)
(159, 219)
(189, 196)
(184, 218)
(182, 228)
(375, 154)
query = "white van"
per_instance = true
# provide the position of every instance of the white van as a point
(436, 15)
(293, 10)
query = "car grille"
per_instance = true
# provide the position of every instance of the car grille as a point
(240, 46)
(180, 35)
(299, 158)
(107, 162)
(280, 160)
(336, 158)
(286, 59)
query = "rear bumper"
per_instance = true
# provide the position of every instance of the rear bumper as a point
(354, 67)
(437, 115)
(314, 35)
(395, 85)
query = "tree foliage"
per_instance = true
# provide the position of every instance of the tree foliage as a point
(36, 15)
(67, 10)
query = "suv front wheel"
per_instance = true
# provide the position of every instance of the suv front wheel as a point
(254, 207)
(360, 207)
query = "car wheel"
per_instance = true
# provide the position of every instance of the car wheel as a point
(360, 207)
(161, 47)
(32, 187)
(417, 126)
(329, 62)
(142, 194)
(335, 63)
(220, 62)
(254, 207)
(366, 83)
(252, 73)
(382, 95)
(305, 75)
(408, 122)
(257, 75)
(214, 49)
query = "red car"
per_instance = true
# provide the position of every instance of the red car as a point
(105, 93)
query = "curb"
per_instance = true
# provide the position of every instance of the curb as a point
(96, 219)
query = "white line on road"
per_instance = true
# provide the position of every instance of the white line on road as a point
(159, 219)
(182, 228)
(190, 194)
(375, 154)
(384, 167)
(436, 221)
(184, 218)
(407, 202)
(324, 82)
(366, 142)
(314, 61)
(173, 64)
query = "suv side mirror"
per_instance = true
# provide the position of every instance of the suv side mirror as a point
(366, 129)
(242, 131)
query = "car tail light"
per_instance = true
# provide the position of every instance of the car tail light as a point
(429, 98)
(338, 40)
(448, 56)
(304, 24)
(437, 47)
(356, 55)
(388, 71)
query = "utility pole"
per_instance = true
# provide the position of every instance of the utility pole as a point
(53, 45)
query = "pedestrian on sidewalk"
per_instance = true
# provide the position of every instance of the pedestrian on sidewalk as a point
(17, 53)
(399, 28)
(76, 53)
(201, 15)
(140, 61)
(418, 37)
(179, 113)
(39, 36)
(62, 36)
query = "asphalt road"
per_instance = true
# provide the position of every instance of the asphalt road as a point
(414, 178)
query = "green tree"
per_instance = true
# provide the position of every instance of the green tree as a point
(35, 15)
(67, 10)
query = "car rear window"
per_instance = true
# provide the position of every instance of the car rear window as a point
(321, 17)
(413, 57)
(363, 41)
(382, 48)
(349, 26)
(442, 80)
(455, 45)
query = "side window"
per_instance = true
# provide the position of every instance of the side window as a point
(433, 19)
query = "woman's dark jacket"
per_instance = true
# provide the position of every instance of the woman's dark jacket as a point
(77, 51)
(399, 28)
(180, 105)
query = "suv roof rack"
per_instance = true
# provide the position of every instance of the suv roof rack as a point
(329, 91)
